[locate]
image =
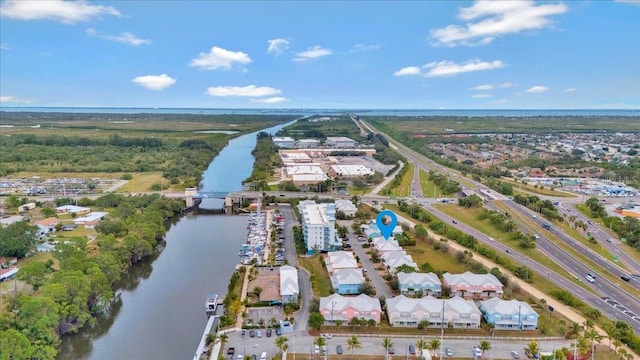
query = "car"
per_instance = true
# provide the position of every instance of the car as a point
(339, 349)
(254, 357)
(491, 239)
(590, 278)
(252, 333)
(625, 277)
(529, 354)
(244, 333)
(391, 351)
(327, 336)
(412, 349)
(259, 333)
(269, 332)
(240, 357)
(515, 355)
(316, 349)
(324, 350)
(453, 221)
(508, 251)
(278, 332)
(609, 240)
(448, 352)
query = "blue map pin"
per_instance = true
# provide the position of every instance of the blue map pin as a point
(386, 229)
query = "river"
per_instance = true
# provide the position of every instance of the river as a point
(159, 313)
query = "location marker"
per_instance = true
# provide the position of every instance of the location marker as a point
(386, 221)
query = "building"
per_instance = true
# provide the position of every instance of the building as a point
(289, 289)
(419, 283)
(318, 226)
(395, 259)
(340, 142)
(473, 286)
(347, 281)
(303, 175)
(7, 262)
(47, 225)
(435, 313)
(72, 209)
(284, 142)
(342, 308)
(350, 171)
(509, 315)
(90, 220)
(346, 207)
(337, 260)
(308, 143)
(629, 209)
(26, 207)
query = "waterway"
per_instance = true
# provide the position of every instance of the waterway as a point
(159, 313)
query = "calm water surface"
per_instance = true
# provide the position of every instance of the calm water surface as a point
(160, 312)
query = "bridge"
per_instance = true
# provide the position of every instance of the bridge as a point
(212, 195)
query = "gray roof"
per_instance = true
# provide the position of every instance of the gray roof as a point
(431, 304)
(361, 303)
(349, 276)
(288, 280)
(506, 307)
(471, 279)
(418, 278)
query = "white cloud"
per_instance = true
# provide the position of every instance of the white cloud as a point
(537, 89)
(486, 87)
(154, 82)
(13, 100)
(271, 100)
(363, 48)
(449, 68)
(495, 19)
(248, 91)
(481, 96)
(407, 71)
(219, 58)
(312, 53)
(631, 2)
(501, 101)
(67, 12)
(125, 37)
(571, 89)
(277, 46)
(4, 47)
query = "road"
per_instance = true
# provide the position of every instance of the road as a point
(382, 290)
(602, 288)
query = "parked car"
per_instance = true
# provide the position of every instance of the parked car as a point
(259, 333)
(327, 336)
(448, 352)
(252, 333)
(278, 332)
(391, 351)
(269, 332)
(515, 355)
(244, 333)
(412, 349)
(316, 350)
(339, 349)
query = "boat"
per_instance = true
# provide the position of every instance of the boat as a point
(212, 304)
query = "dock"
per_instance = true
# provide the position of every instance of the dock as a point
(202, 347)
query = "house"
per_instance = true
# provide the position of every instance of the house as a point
(435, 313)
(7, 262)
(72, 209)
(419, 283)
(346, 207)
(47, 225)
(8, 273)
(289, 289)
(343, 308)
(473, 286)
(26, 207)
(340, 142)
(536, 172)
(394, 259)
(90, 220)
(337, 260)
(347, 281)
(284, 142)
(387, 246)
(509, 315)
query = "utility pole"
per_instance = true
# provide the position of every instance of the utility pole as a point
(442, 331)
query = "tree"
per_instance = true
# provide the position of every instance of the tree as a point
(405, 269)
(484, 346)
(387, 344)
(281, 343)
(320, 341)
(316, 320)
(353, 343)
(17, 239)
(14, 345)
(421, 344)
(532, 348)
(434, 345)
(49, 212)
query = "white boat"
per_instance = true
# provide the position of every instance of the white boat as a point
(212, 303)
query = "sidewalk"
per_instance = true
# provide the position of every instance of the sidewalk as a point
(386, 180)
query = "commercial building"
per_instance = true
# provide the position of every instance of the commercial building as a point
(473, 286)
(419, 283)
(340, 142)
(72, 209)
(509, 315)
(435, 313)
(284, 142)
(350, 171)
(344, 309)
(289, 288)
(308, 143)
(318, 226)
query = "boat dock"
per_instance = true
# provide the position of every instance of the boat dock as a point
(202, 347)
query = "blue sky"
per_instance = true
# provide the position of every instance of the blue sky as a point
(330, 54)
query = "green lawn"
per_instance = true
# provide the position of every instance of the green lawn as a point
(358, 191)
(320, 282)
(429, 189)
(531, 189)
(404, 189)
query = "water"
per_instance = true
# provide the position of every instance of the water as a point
(160, 312)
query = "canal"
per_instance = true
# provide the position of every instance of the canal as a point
(159, 312)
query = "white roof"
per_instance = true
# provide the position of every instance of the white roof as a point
(282, 139)
(339, 138)
(396, 262)
(387, 246)
(94, 216)
(348, 276)
(361, 303)
(294, 156)
(471, 279)
(304, 169)
(431, 304)
(72, 208)
(317, 214)
(418, 278)
(288, 280)
(341, 260)
(352, 170)
(507, 307)
(309, 177)
(345, 205)
(309, 140)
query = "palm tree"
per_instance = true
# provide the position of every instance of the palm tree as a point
(273, 322)
(223, 338)
(484, 346)
(281, 343)
(594, 336)
(533, 347)
(434, 344)
(575, 330)
(421, 344)
(353, 343)
(583, 345)
(386, 344)
(624, 354)
(320, 341)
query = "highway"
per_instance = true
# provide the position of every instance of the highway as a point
(628, 308)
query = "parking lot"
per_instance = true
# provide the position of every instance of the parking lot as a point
(266, 314)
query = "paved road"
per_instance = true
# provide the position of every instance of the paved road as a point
(376, 280)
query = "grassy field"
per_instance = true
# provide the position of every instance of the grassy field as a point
(358, 191)
(404, 189)
(143, 181)
(517, 186)
(318, 274)
(429, 189)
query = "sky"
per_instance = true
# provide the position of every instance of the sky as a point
(326, 54)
